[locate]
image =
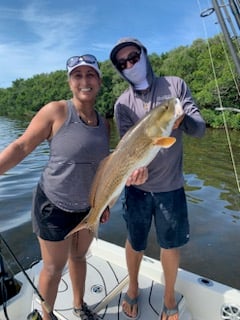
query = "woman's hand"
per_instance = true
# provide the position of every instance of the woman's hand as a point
(139, 176)
(105, 215)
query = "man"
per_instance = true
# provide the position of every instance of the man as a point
(162, 196)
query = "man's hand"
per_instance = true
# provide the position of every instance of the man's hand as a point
(139, 176)
(178, 121)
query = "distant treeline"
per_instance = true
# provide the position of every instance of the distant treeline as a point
(192, 63)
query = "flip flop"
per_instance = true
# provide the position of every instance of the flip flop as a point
(168, 312)
(131, 302)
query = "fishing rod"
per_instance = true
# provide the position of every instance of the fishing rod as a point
(235, 9)
(33, 315)
(234, 6)
(226, 35)
(227, 109)
(3, 289)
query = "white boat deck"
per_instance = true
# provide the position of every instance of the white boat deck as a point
(105, 287)
(107, 279)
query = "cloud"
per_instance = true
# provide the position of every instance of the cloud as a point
(39, 36)
(54, 37)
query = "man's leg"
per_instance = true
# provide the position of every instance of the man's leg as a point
(170, 261)
(133, 259)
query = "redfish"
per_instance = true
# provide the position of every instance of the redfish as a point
(137, 148)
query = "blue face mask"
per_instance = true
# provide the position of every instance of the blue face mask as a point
(137, 75)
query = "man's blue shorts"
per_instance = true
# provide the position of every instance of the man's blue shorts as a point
(169, 210)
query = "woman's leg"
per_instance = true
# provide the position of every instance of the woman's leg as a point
(81, 241)
(54, 255)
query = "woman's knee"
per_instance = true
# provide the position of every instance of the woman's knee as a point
(78, 257)
(53, 270)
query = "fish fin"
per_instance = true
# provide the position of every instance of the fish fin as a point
(94, 186)
(95, 229)
(82, 225)
(164, 142)
(122, 141)
(112, 202)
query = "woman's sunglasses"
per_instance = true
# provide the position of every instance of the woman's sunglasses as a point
(88, 58)
(133, 58)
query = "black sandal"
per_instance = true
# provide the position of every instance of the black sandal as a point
(84, 313)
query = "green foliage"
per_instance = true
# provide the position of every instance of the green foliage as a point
(209, 80)
(218, 119)
(26, 97)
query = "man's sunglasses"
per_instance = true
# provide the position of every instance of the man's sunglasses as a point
(133, 58)
(88, 58)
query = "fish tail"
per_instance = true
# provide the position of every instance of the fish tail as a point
(89, 223)
(94, 229)
(89, 226)
(85, 224)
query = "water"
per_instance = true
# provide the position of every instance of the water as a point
(212, 195)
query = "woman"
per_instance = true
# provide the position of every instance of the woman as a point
(78, 139)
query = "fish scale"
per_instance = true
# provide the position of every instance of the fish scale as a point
(136, 149)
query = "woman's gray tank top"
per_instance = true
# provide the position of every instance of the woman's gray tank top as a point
(75, 153)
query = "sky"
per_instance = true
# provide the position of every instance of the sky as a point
(39, 36)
